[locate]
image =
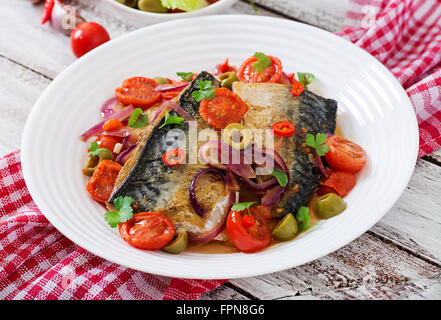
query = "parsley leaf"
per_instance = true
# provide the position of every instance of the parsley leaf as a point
(206, 91)
(303, 217)
(95, 150)
(169, 119)
(242, 206)
(138, 119)
(263, 62)
(124, 212)
(318, 143)
(305, 78)
(186, 76)
(281, 177)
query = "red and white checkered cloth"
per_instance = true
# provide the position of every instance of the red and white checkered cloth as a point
(38, 262)
(405, 35)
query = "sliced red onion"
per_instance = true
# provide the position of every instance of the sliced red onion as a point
(117, 133)
(175, 107)
(98, 128)
(123, 156)
(210, 234)
(273, 196)
(321, 166)
(65, 18)
(171, 87)
(108, 108)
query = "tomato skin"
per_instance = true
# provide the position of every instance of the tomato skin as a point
(283, 129)
(272, 74)
(297, 88)
(87, 36)
(224, 67)
(112, 124)
(138, 91)
(223, 110)
(100, 185)
(345, 155)
(251, 239)
(339, 182)
(108, 142)
(147, 230)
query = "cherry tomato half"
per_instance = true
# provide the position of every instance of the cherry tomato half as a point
(345, 155)
(147, 230)
(108, 142)
(273, 73)
(87, 36)
(283, 129)
(100, 185)
(174, 157)
(223, 110)
(248, 239)
(112, 124)
(138, 91)
(339, 182)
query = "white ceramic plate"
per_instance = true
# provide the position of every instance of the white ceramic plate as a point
(147, 18)
(373, 110)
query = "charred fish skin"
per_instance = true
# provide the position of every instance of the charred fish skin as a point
(147, 174)
(316, 115)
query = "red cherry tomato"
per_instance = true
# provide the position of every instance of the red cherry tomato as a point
(87, 36)
(147, 230)
(224, 67)
(339, 182)
(273, 73)
(345, 155)
(283, 129)
(108, 142)
(138, 91)
(112, 124)
(223, 110)
(100, 185)
(248, 239)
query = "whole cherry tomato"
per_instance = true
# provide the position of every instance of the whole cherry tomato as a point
(87, 36)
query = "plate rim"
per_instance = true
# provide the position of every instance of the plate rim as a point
(27, 162)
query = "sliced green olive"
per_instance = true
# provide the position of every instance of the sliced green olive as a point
(227, 79)
(330, 205)
(178, 244)
(161, 80)
(286, 229)
(151, 6)
(106, 155)
(237, 136)
(93, 161)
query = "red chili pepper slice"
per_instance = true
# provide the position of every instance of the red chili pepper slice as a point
(47, 11)
(283, 129)
(174, 157)
(297, 88)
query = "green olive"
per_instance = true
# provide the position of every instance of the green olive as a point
(106, 155)
(129, 3)
(161, 80)
(237, 136)
(227, 79)
(286, 229)
(151, 6)
(93, 161)
(178, 244)
(330, 205)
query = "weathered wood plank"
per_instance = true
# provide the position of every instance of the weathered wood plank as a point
(435, 156)
(19, 88)
(326, 14)
(367, 268)
(223, 293)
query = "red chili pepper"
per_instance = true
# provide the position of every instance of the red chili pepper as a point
(174, 157)
(283, 129)
(248, 221)
(297, 88)
(47, 11)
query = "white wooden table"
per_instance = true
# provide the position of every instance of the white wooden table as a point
(398, 258)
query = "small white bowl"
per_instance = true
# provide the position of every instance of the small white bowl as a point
(142, 18)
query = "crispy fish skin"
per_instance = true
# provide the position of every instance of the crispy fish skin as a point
(154, 186)
(310, 113)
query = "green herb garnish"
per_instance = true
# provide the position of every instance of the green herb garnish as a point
(95, 150)
(185, 5)
(263, 62)
(305, 78)
(281, 177)
(318, 143)
(186, 76)
(206, 91)
(303, 217)
(138, 119)
(242, 206)
(253, 5)
(169, 119)
(124, 212)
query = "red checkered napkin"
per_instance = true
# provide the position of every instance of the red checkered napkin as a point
(38, 262)
(405, 35)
